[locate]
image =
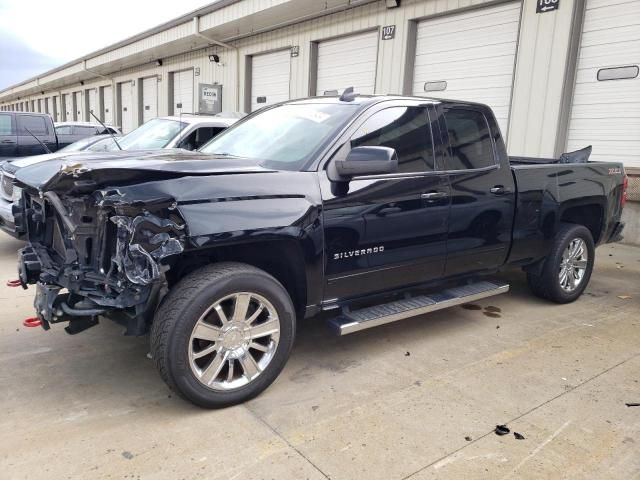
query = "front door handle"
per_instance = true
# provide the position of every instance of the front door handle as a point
(434, 195)
(499, 190)
(7, 141)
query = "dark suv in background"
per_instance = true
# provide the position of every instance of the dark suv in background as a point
(17, 132)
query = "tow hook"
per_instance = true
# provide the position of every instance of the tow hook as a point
(32, 322)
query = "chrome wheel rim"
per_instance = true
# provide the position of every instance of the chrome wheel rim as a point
(573, 266)
(233, 341)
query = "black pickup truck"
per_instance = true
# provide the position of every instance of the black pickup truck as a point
(376, 207)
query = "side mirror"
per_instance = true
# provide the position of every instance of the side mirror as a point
(367, 161)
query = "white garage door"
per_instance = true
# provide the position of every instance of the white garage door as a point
(107, 105)
(79, 112)
(68, 107)
(57, 108)
(605, 110)
(348, 62)
(183, 92)
(47, 106)
(126, 107)
(149, 98)
(469, 56)
(270, 78)
(93, 104)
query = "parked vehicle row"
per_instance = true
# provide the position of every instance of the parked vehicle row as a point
(377, 208)
(188, 132)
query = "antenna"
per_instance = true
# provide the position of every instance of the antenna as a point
(38, 140)
(108, 130)
(348, 95)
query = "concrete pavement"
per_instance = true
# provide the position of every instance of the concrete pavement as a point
(417, 399)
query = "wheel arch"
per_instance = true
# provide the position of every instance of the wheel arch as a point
(283, 259)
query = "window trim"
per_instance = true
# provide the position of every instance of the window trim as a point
(637, 68)
(447, 143)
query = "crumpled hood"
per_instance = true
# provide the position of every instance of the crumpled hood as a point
(94, 170)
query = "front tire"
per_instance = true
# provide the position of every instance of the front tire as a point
(565, 272)
(223, 334)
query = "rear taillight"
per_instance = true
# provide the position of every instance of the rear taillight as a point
(625, 185)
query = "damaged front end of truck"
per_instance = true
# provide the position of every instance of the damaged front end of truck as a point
(94, 252)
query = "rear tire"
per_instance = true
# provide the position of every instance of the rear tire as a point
(223, 334)
(561, 278)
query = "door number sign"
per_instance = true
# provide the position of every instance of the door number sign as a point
(388, 32)
(544, 6)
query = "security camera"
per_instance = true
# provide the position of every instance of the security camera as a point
(214, 58)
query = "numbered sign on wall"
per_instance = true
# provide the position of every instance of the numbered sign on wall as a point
(543, 6)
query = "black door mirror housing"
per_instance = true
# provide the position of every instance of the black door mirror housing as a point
(364, 161)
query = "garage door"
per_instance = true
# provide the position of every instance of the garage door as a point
(469, 56)
(107, 105)
(270, 78)
(183, 92)
(79, 113)
(605, 110)
(348, 62)
(68, 107)
(149, 98)
(126, 107)
(93, 104)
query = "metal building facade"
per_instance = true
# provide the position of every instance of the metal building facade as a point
(544, 72)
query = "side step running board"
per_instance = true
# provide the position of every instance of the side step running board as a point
(368, 317)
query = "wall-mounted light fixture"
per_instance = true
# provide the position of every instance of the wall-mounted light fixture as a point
(159, 63)
(214, 58)
(393, 3)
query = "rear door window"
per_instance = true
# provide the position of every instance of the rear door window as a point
(84, 131)
(64, 130)
(470, 144)
(32, 123)
(6, 125)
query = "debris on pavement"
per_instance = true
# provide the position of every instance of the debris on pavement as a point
(632, 404)
(468, 439)
(471, 306)
(518, 436)
(407, 354)
(502, 430)
(624, 297)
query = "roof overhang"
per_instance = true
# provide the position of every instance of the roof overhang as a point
(224, 21)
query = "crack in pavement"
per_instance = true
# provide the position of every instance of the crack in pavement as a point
(279, 435)
(533, 409)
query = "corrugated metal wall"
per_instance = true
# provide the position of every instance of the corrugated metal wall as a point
(541, 71)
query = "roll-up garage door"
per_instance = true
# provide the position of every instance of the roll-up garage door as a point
(93, 104)
(469, 56)
(348, 62)
(183, 92)
(605, 109)
(270, 78)
(107, 105)
(79, 112)
(126, 107)
(68, 107)
(149, 98)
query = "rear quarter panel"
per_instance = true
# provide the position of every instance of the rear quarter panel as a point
(546, 192)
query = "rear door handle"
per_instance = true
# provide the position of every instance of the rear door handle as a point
(7, 141)
(499, 190)
(434, 195)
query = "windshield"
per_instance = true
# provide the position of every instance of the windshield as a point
(283, 137)
(156, 133)
(105, 145)
(79, 145)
